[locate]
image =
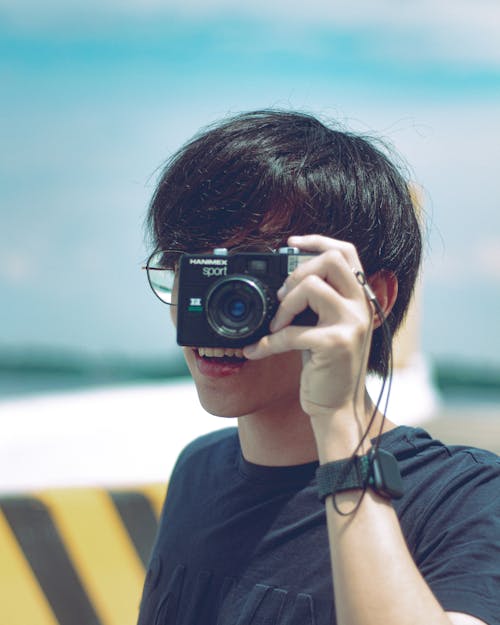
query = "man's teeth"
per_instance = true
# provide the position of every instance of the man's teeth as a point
(220, 352)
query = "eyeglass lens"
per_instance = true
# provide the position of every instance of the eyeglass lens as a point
(162, 268)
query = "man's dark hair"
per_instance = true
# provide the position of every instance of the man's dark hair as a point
(264, 175)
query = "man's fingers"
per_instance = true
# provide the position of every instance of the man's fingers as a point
(332, 267)
(314, 293)
(287, 339)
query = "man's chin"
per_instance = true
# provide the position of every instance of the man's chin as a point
(219, 406)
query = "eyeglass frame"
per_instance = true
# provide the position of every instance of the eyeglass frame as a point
(231, 251)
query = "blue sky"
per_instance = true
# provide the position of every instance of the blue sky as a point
(95, 96)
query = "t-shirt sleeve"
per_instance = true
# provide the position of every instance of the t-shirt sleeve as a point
(458, 547)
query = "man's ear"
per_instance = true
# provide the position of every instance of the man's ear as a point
(385, 286)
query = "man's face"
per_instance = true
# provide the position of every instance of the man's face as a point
(230, 386)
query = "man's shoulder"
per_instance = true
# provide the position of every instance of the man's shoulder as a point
(413, 445)
(209, 446)
(435, 473)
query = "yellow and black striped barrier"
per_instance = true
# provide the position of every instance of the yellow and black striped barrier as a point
(76, 556)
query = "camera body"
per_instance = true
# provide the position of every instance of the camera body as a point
(228, 300)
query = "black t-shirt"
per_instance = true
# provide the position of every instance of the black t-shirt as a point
(243, 544)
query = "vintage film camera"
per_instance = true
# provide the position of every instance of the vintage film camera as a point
(228, 300)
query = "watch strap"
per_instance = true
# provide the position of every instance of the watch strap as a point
(341, 475)
(378, 470)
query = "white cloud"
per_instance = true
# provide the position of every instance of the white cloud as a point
(488, 258)
(480, 263)
(18, 267)
(452, 29)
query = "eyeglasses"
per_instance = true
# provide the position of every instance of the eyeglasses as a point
(163, 267)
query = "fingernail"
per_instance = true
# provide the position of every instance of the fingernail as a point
(249, 350)
(281, 292)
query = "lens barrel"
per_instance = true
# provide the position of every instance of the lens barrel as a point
(236, 306)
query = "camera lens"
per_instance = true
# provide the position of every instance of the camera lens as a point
(236, 309)
(236, 306)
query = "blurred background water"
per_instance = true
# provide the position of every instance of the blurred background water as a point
(96, 95)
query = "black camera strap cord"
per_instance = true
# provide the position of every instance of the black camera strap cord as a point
(386, 382)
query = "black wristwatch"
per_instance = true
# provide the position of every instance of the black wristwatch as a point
(377, 470)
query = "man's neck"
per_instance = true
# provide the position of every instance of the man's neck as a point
(286, 438)
(278, 440)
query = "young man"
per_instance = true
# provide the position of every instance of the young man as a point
(244, 538)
